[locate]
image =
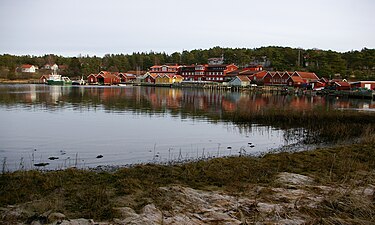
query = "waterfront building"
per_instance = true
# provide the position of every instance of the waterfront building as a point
(149, 78)
(127, 77)
(218, 73)
(104, 78)
(307, 77)
(164, 69)
(363, 84)
(168, 79)
(240, 81)
(193, 72)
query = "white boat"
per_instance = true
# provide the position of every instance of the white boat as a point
(56, 79)
(79, 82)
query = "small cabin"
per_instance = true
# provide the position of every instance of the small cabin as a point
(340, 85)
(295, 81)
(364, 84)
(240, 81)
(43, 79)
(91, 79)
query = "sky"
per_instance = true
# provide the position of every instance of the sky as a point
(98, 27)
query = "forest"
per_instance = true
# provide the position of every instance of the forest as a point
(359, 65)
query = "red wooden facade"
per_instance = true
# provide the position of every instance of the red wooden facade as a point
(364, 84)
(43, 78)
(214, 73)
(164, 69)
(276, 78)
(150, 78)
(295, 81)
(104, 77)
(127, 77)
(91, 79)
(267, 79)
(341, 85)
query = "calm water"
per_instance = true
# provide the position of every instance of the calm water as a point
(129, 125)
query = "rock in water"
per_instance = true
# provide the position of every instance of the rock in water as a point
(41, 164)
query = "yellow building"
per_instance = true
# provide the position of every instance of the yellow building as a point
(168, 79)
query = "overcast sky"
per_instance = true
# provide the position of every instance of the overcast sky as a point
(94, 27)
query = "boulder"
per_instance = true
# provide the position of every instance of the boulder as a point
(16, 214)
(56, 217)
(149, 215)
(77, 222)
(293, 179)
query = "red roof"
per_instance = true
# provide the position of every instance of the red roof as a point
(243, 78)
(154, 75)
(260, 74)
(106, 74)
(248, 72)
(307, 75)
(297, 79)
(26, 66)
(288, 72)
(274, 73)
(176, 76)
(159, 66)
(342, 84)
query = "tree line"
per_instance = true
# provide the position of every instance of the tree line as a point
(327, 63)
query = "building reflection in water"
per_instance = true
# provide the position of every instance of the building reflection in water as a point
(196, 102)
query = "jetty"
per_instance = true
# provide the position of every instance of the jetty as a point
(362, 94)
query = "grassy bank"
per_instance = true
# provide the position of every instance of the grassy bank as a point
(18, 81)
(82, 193)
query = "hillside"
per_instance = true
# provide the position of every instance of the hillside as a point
(353, 64)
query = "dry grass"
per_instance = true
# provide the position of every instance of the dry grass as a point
(348, 207)
(81, 193)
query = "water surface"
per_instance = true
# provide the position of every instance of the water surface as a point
(128, 125)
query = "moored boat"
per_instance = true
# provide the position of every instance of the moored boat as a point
(55, 79)
(79, 82)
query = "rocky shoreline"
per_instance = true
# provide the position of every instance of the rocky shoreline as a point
(292, 199)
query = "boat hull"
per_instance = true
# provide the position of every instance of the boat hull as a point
(58, 82)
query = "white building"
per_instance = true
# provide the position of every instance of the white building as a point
(240, 81)
(27, 68)
(54, 67)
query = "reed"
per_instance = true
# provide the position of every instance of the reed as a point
(320, 125)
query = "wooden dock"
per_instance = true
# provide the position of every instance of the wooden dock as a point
(349, 94)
